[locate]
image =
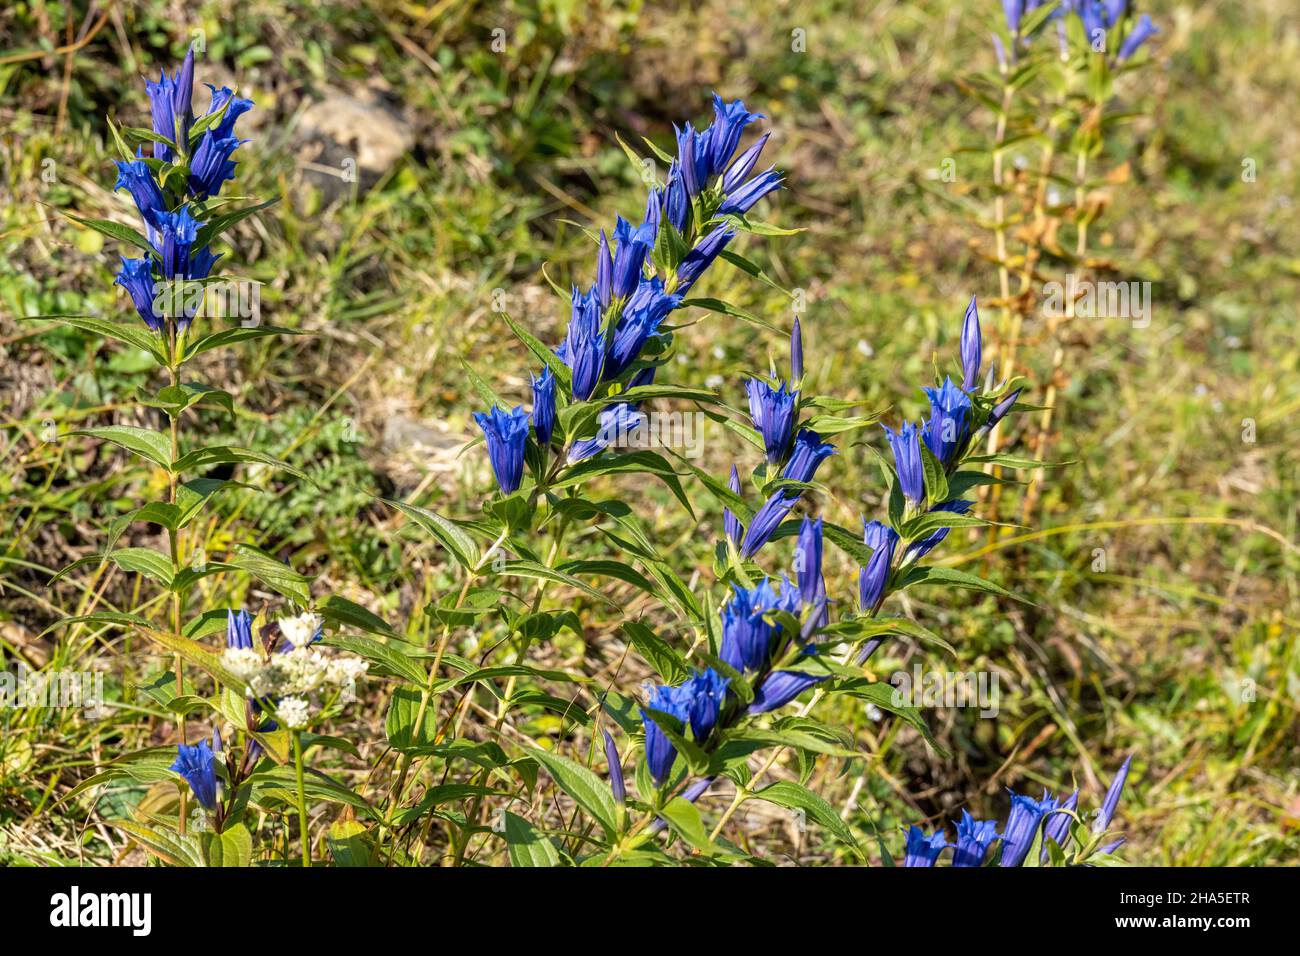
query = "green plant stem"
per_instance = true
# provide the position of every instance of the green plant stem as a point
(174, 545)
(304, 834)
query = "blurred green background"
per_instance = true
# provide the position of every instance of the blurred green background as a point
(482, 137)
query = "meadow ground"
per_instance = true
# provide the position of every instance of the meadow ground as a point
(1163, 560)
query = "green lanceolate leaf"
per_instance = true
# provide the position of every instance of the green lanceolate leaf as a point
(174, 399)
(230, 454)
(957, 579)
(793, 796)
(219, 224)
(394, 659)
(115, 230)
(666, 662)
(215, 340)
(137, 335)
(342, 611)
(532, 569)
(452, 536)
(274, 574)
(526, 845)
(589, 791)
(683, 817)
(148, 444)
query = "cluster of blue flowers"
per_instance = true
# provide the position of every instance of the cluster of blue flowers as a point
(201, 150)
(1027, 816)
(1108, 24)
(198, 765)
(643, 273)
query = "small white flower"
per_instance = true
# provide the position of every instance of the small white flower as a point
(294, 712)
(300, 630)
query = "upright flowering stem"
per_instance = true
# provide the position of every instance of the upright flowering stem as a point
(304, 834)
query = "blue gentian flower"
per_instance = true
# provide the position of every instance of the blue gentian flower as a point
(808, 572)
(747, 636)
(170, 100)
(705, 693)
(176, 232)
(137, 178)
(947, 429)
(743, 165)
(1112, 798)
(923, 850)
(616, 783)
(677, 200)
(197, 766)
(729, 121)
(745, 197)
(136, 277)
(584, 347)
(1022, 826)
(614, 424)
(604, 272)
(1141, 32)
(544, 405)
(773, 410)
(701, 257)
(906, 446)
(239, 629)
(211, 165)
(1000, 410)
(629, 257)
(660, 753)
(692, 160)
(650, 220)
(973, 840)
(1057, 826)
(971, 347)
(781, 687)
(730, 523)
(809, 452)
(641, 318)
(507, 434)
(882, 539)
(919, 549)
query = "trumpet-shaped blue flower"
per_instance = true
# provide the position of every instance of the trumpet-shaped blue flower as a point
(1022, 826)
(211, 165)
(906, 446)
(136, 277)
(634, 245)
(1001, 409)
(744, 164)
(1142, 31)
(616, 783)
(923, 850)
(808, 572)
(947, 429)
(972, 347)
(660, 752)
(225, 127)
(796, 352)
(723, 136)
(170, 106)
(919, 549)
(176, 233)
(772, 411)
(197, 766)
(705, 693)
(641, 318)
(614, 424)
(872, 579)
(747, 636)
(677, 200)
(544, 405)
(239, 629)
(781, 687)
(1058, 823)
(730, 523)
(137, 178)
(1113, 794)
(701, 257)
(583, 349)
(809, 452)
(507, 435)
(747, 195)
(974, 837)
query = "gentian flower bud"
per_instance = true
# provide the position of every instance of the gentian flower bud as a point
(660, 753)
(183, 94)
(882, 539)
(544, 405)
(1013, 10)
(971, 347)
(781, 687)
(164, 97)
(973, 840)
(747, 196)
(689, 154)
(744, 163)
(216, 740)
(701, 257)
(616, 782)
(584, 348)
(705, 692)
(730, 523)
(1112, 799)
(604, 272)
(1022, 826)
(197, 766)
(614, 425)
(677, 200)
(772, 412)
(923, 850)
(137, 178)
(796, 352)
(947, 430)
(1058, 825)
(211, 165)
(906, 446)
(809, 452)
(1141, 32)
(136, 277)
(654, 203)
(729, 121)
(239, 629)
(919, 549)
(1001, 408)
(808, 572)
(507, 434)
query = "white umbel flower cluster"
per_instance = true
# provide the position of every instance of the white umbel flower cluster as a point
(294, 712)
